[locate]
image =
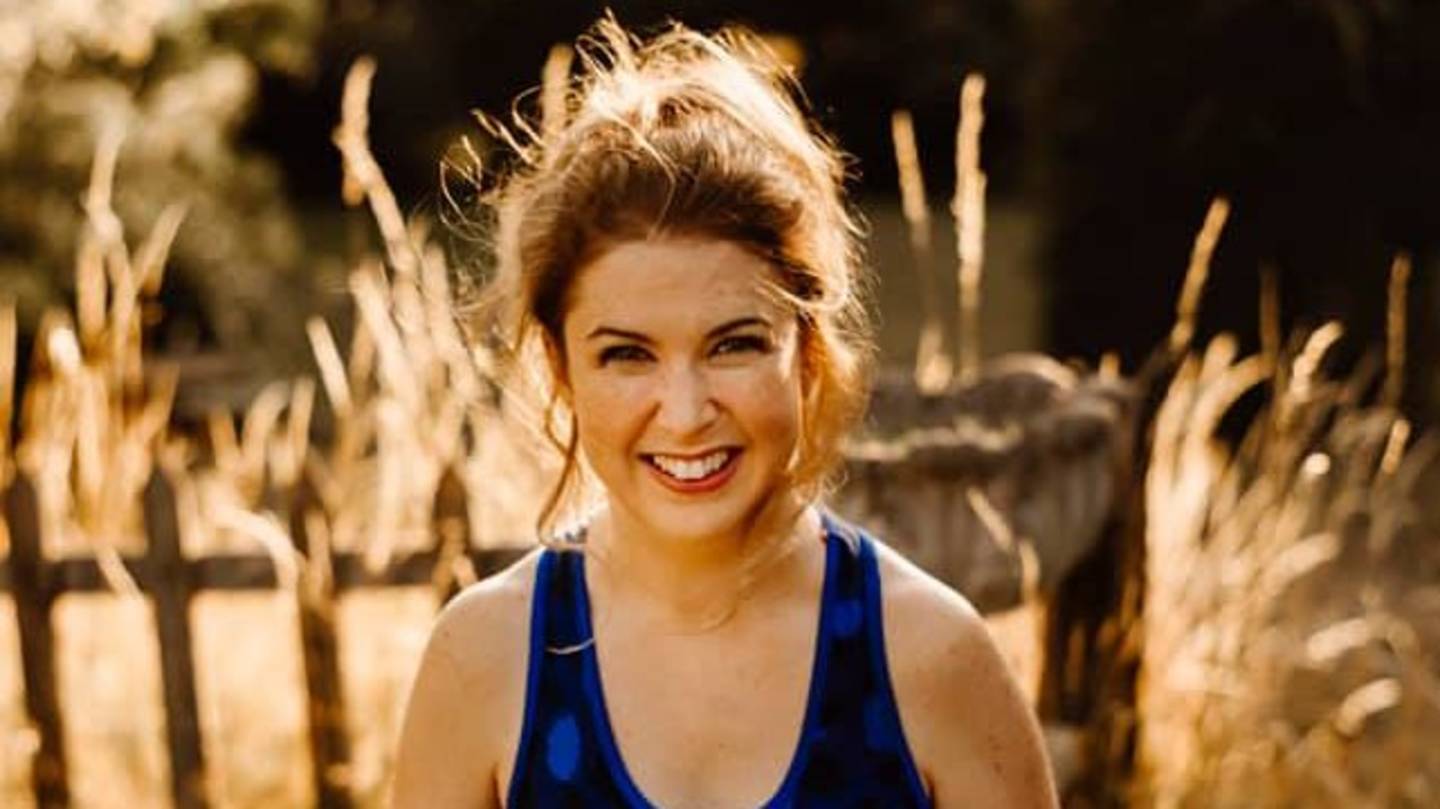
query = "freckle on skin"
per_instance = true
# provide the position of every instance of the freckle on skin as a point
(997, 760)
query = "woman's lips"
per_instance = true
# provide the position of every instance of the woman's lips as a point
(709, 483)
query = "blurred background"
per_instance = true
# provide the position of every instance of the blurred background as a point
(1108, 130)
(170, 188)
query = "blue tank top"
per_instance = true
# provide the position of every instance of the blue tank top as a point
(851, 751)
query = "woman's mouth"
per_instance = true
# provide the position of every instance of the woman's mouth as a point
(692, 474)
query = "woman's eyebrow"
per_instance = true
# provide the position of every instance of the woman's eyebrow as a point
(611, 331)
(727, 326)
(737, 323)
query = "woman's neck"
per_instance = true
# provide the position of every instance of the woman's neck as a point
(695, 585)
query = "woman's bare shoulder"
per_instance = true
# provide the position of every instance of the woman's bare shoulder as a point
(488, 618)
(465, 708)
(972, 734)
(931, 630)
(908, 588)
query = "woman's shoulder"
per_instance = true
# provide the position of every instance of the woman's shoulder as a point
(933, 634)
(912, 592)
(487, 616)
(928, 625)
(465, 705)
(965, 718)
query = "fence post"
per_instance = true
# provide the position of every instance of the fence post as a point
(34, 597)
(172, 591)
(329, 743)
(450, 518)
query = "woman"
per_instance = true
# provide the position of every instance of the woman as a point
(680, 258)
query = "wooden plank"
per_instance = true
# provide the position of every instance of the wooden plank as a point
(172, 589)
(329, 743)
(245, 572)
(33, 600)
(233, 571)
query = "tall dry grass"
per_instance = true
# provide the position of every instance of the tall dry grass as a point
(935, 369)
(409, 398)
(1292, 615)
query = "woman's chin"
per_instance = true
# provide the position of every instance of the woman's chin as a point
(696, 524)
(732, 519)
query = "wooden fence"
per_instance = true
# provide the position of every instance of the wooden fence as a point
(172, 580)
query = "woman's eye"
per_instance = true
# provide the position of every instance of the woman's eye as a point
(623, 354)
(742, 343)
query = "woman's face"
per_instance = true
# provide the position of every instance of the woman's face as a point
(685, 380)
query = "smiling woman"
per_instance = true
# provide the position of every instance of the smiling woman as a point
(685, 381)
(679, 263)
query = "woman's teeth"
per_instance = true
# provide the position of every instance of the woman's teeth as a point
(685, 469)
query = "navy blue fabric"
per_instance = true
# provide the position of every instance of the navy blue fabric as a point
(852, 752)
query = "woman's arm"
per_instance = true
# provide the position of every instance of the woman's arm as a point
(455, 729)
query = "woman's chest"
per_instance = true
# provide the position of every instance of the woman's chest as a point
(712, 726)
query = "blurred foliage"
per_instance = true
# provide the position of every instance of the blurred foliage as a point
(1115, 122)
(176, 81)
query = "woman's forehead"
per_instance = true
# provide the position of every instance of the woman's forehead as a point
(672, 282)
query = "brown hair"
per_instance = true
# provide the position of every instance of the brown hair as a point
(684, 134)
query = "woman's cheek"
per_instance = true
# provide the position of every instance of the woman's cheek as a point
(607, 411)
(767, 401)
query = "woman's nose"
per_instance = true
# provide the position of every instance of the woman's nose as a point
(686, 404)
